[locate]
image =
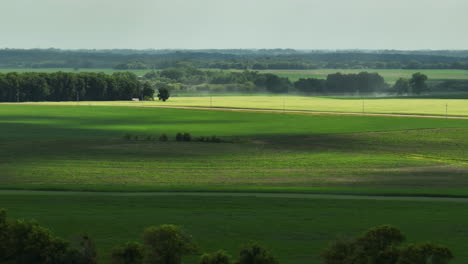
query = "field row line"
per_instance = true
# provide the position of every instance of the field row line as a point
(299, 111)
(245, 194)
(255, 110)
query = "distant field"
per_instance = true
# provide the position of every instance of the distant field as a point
(390, 75)
(82, 148)
(329, 104)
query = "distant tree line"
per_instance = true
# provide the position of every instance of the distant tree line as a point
(62, 86)
(25, 242)
(189, 78)
(233, 59)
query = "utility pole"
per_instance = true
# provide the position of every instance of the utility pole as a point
(446, 111)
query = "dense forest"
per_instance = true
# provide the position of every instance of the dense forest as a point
(61, 86)
(233, 59)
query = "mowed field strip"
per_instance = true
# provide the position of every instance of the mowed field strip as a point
(434, 107)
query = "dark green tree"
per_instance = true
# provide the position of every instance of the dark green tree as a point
(256, 254)
(402, 86)
(418, 83)
(166, 244)
(130, 253)
(380, 245)
(219, 257)
(148, 92)
(163, 94)
(25, 242)
(426, 253)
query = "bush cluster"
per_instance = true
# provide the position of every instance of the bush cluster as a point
(180, 137)
(186, 137)
(212, 139)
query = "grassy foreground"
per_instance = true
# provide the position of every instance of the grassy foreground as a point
(82, 148)
(454, 107)
(295, 229)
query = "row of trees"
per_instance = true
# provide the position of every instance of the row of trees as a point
(187, 78)
(415, 85)
(183, 78)
(62, 86)
(233, 59)
(296, 65)
(25, 242)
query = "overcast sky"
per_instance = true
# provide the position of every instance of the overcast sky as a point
(197, 24)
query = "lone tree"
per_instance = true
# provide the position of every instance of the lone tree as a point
(166, 244)
(163, 94)
(379, 245)
(402, 86)
(418, 83)
(256, 254)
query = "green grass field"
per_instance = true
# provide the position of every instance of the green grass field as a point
(295, 229)
(454, 107)
(390, 75)
(80, 147)
(72, 147)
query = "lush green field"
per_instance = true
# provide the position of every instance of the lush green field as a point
(72, 147)
(390, 75)
(455, 107)
(295, 229)
(79, 147)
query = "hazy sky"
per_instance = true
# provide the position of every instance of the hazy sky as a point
(196, 24)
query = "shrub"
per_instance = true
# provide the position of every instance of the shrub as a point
(380, 245)
(128, 137)
(187, 137)
(130, 253)
(179, 137)
(24, 241)
(256, 254)
(215, 139)
(219, 257)
(163, 138)
(166, 244)
(212, 139)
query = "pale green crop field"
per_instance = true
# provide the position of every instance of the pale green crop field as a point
(455, 107)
